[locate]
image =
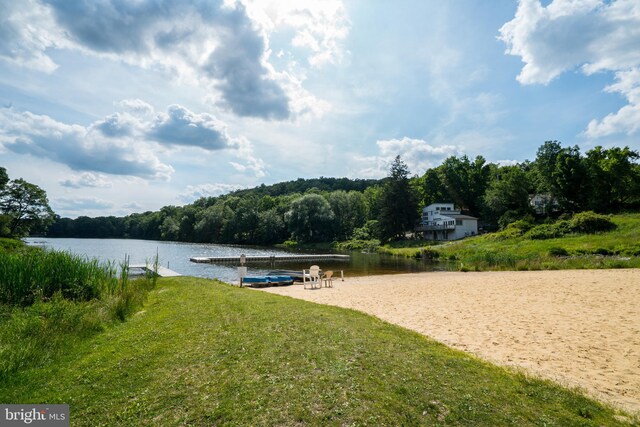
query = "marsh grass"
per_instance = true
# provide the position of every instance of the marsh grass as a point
(32, 275)
(50, 300)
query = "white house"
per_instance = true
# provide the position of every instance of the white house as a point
(441, 221)
(543, 203)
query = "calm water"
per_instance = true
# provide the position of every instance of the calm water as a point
(175, 256)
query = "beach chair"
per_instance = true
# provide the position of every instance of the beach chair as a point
(313, 277)
(327, 279)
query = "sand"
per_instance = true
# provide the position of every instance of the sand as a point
(580, 328)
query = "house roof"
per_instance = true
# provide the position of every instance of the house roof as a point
(463, 217)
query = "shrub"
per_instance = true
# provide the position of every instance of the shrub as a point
(428, 253)
(602, 251)
(290, 244)
(590, 222)
(557, 251)
(523, 225)
(355, 245)
(543, 231)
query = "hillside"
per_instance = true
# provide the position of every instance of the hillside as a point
(513, 249)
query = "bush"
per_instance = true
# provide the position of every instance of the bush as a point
(523, 225)
(557, 251)
(590, 222)
(603, 251)
(428, 253)
(543, 231)
(359, 245)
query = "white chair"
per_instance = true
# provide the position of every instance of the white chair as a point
(313, 275)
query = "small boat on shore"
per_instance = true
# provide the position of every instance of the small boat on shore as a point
(295, 274)
(269, 280)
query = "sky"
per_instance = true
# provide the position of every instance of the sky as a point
(122, 106)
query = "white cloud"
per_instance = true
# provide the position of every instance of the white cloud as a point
(195, 192)
(86, 179)
(80, 148)
(179, 126)
(27, 30)
(122, 144)
(418, 154)
(248, 161)
(320, 27)
(214, 46)
(627, 119)
(590, 35)
(72, 207)
(136, 107)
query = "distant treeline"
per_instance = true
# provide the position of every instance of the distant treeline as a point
(603, 180)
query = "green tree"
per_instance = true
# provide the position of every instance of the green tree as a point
(545, 165)
(26, 207)
(613, 175)
(508, 193)
(431, 188)
(466, 182)
(213, 222)
(398, 205)
(349, 211)
(271, 228)
(569, 180)
(4, 178)
(310, 219)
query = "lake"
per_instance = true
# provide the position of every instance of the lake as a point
(176, 255)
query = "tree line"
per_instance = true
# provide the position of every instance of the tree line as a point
(604, 180)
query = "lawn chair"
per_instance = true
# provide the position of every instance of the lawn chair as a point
(313, 275)
(327, 279)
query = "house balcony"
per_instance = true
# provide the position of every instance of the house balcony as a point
(435, 227)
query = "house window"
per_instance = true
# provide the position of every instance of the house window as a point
(458, 222)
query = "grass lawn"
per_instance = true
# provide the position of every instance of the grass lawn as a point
(206, 353)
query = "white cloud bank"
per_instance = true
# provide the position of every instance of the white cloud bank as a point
(122, 143)
(418, 154)
(213, 44)
(592, 35)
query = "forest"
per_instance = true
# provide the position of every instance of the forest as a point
(603, 180)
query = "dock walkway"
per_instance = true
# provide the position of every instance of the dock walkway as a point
(162, 271)
(271, 258)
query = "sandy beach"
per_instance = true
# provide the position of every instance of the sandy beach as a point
(580, 328)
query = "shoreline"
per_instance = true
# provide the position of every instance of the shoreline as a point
(579, 328)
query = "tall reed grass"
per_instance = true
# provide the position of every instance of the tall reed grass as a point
(27, 277)
(49, 300)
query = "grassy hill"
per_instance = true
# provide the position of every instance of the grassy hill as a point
(206, 353)
(515, 250)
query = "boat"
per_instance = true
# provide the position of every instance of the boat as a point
(270, 280)
(296, 275)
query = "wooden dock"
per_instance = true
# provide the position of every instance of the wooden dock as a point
(140, 269)
(271, 258)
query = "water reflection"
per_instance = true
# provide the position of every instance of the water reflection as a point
(175, 256)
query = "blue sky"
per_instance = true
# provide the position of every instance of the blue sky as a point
(116, 107)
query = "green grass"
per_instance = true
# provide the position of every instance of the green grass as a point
(26, 276)
(50, 300)
(205, 353)
(508, 250)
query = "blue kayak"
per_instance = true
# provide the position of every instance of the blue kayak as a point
(267, 280)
